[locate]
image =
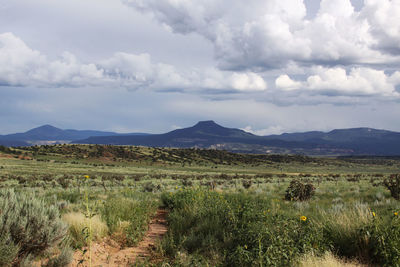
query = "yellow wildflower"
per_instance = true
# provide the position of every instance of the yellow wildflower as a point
(396, 213)
(86, 176)
(373, 214)
(303, 218)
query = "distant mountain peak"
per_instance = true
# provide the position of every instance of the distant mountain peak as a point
(47, 128)
(209, 123)
(209, 127)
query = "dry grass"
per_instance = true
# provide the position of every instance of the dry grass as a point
(328, 260)
(78, 222)
(120, 233)
(348, 217)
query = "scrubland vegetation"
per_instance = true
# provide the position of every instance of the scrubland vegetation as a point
(224, 209)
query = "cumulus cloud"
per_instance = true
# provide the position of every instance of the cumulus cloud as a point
(395, 78)
(138, 71)
(383, 18)
(22, 66)
(285, 83)
(338, 81)
(261, 34)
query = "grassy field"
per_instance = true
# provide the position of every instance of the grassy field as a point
(224, 209)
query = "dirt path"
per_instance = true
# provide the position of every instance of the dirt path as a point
(108, 253)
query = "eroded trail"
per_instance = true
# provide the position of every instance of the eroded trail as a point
(109, 253)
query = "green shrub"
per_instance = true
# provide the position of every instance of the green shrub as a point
(8, 251)
(28, 227)
(236, 230)
(62, 260)
(72, 197)
(384, 244)
(298, 191)
(247, 183)
(150, 187)
(393, 184)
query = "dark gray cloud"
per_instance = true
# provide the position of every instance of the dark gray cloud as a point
(95, 29)
(116, 109)
(154, 65)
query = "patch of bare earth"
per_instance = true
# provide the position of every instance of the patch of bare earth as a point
(6, 156)
(109, 253)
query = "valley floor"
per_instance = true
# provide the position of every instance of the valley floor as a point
(168, 207)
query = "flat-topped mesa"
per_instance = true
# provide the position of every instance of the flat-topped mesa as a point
(211, 128)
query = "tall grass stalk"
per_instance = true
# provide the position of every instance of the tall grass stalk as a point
(88, 215)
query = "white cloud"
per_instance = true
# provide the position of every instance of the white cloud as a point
(336, 8)
(248, 81)
(383, 18)
(272, 34)
(395, 78)
(337, 81)
(262, 132)
(138, 71)
(23, 66)
(285, 83)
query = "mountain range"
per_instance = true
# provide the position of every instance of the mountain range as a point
(48, 134)
(208, 134)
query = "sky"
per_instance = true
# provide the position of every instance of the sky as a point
(266, 66)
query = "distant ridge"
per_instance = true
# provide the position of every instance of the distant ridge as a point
(48, 134)
(208, 134)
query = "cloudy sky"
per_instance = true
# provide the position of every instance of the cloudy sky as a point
(267, 66)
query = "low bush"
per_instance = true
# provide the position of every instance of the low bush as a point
(298, 191)
(384, 241)
(393, 185)
(150, 187)
(235, 230)
(247, 183)
(243, 229)
(29, 228)
(8, 251)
